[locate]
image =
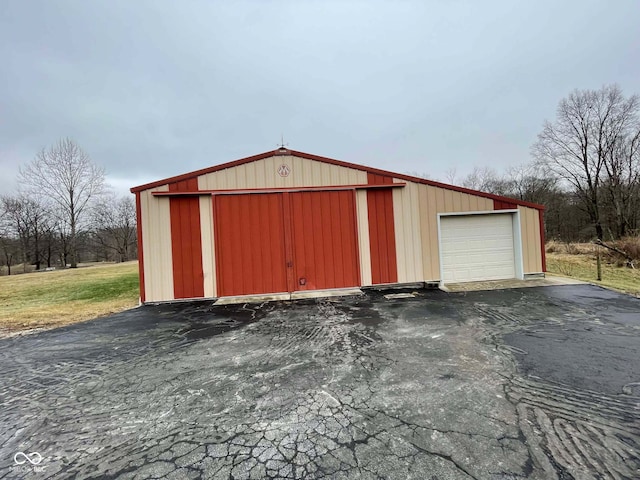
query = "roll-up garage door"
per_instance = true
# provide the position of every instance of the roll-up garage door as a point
(477, 247)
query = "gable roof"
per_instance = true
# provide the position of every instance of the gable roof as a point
(354, 166)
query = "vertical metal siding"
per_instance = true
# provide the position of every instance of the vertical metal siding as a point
(208, 249)
(543, 253)
(406, 215)
(364, 242)
(530, 233)
(502, 205)
(383, 257)
(428, 237)
(186, 242)
(143, 292)
(264, 174)
(156, 241)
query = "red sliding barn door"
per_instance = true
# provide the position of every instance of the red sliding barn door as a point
(250, 244)
(284, 242)
(324, 238)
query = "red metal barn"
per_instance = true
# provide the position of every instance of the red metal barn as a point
(286, 221)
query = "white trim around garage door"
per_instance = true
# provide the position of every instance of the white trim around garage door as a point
(517, 237)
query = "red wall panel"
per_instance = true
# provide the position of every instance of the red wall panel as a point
(382, 237)
(143, 292)
(186, 242)
(542, 245)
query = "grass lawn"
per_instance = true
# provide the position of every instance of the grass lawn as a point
(583, 267)
(47, 299)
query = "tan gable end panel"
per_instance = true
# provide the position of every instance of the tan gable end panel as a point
(263, 173)
(156, 241)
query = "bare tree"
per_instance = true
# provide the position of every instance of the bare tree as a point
(9, 248)
(451, 175)
(26, 222)
(622, 183)
(485, 179)
(17, 217)
(114, 225)
(68, 177)
(588, 126)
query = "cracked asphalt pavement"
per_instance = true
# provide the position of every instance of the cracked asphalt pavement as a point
(524, 383)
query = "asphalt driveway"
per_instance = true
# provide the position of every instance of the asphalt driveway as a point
(526, 383)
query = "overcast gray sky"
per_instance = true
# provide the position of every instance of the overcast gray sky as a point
(152, 89)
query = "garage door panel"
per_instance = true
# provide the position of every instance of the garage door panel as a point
(477, 247)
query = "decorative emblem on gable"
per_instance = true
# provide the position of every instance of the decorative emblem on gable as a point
(284, 170)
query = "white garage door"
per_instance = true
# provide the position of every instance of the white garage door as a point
(477, 247)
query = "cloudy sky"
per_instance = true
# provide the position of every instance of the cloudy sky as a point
(155, 88)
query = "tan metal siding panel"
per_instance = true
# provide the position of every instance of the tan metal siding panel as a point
(530, 232)
(531, 240)
(208, 247)
(525, 229)
(484, 204)
(535, 218)
(264, 174)
(156, 239)
(363, 237)
(433, 273)
(425, 235)
(316, 170)
(439, 199)
(406, 213)
(457, 202)
(398, 219)
(465, 203)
